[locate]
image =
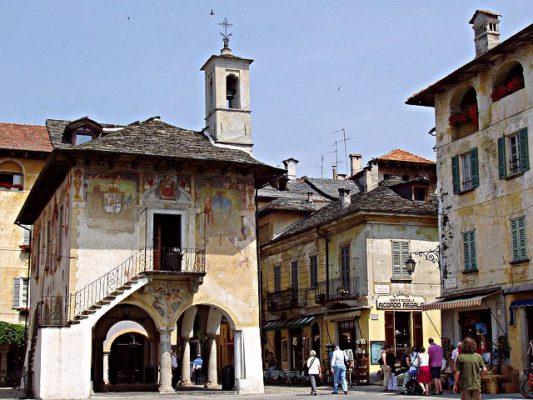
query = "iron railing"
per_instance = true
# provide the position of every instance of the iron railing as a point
(337, 289)
(53, 311)
(287, 299)
(176, 259)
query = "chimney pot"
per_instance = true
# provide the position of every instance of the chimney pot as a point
(486, 28)
(355, 163)
(344, 197)
(290, 167)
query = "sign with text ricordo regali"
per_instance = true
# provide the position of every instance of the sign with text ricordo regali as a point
(400, 301)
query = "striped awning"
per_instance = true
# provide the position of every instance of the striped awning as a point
(288, 323)
(458, 303)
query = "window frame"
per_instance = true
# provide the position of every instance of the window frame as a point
(295, 278)
(463, 163)
(20, 292)
(513, 154)
(518, 239)
(344, 264)
(402, 254)
(313, 271)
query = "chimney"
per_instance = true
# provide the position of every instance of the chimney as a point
(290, 167)
(486, 30)
(344, 197)
(341, 177)
(355, 162)
(334, 170)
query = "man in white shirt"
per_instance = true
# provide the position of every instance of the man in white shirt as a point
(455, 354)
(338, 369)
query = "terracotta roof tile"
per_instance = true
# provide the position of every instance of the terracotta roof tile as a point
(402, 155)
(24, 137)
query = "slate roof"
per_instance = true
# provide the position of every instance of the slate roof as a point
(382, 199)
(402, 155)
(296, 189)
(292, 205)
(24, 137)
(330, 187)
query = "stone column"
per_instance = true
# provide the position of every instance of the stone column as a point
(105, 370)
(212, 376)
(237, 343)
(186, 362)
(165, 362)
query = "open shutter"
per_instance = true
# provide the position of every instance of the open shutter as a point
(522, 238)
(524, 150)
(502, 165)
(514, 239)
(403, 257)
(473, 257)
(466, 249)
(17, 291)
(24, 293)
(455, 174)
(389, 328)
(474, 167)
(418, 334)
(396, 260)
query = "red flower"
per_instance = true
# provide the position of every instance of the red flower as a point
(507, 88)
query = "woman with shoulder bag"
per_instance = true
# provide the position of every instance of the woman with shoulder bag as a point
(315, 370)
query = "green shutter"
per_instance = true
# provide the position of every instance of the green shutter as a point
(524, 151)
(522, 244)
(514, 239)
(404, 255)
(502, 164)
(474, 167)
(455, 174)
(466, 248)
(473, 256)
(396, 259)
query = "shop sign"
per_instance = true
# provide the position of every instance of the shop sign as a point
(400, 301)
(381, 289)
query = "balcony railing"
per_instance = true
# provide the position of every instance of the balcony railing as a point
(177, 259)
(287, 299)
(337, 289)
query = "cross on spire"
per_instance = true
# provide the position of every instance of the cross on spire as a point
(225, 36)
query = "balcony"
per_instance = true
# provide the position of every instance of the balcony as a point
(287, 299)
(176, 259)
(337, 289)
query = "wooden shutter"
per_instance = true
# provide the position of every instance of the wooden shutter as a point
(455, 174)
(473, 256)
(17, 291)
(502, 161)
(466, 249)
(26, 234)
(418, 334)
(404, 255)
(396, 260)
(514, 239)
(24, 292)
(524, 150)
(522, 245)
(389, 328)
(474, 167)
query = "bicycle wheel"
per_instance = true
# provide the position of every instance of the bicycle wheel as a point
(525, 390)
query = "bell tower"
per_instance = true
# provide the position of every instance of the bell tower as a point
(227, 96)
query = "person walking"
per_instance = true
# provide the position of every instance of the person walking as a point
(469, 369)
(455, 354)
(424, 371)
(385, 368)
(314, 370)
(338, 369)
(197, 369)
(435, 364)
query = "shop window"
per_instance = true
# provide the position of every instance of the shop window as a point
(513, 154)
(345, 266)
(11, 176)
(511, 79)
(277, 278)
(403, 328)
(400, 254)
(465, 171)
(469, 247)
(518, 239)
(294, 275)
(347, 335)
(313, 271)
(20, 293)
(476, 324)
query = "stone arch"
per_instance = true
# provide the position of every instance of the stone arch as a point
(507, 79)
(122, 331)
(232, 319)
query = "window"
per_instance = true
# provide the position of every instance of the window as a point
(313, 271)
(513, 154)
(465, 171)
(232, 91)
(400, 253)
(294, 275)
(20, 293)
(518, 239)
(277, 278)
(469, 244)
(420, 193)
(11, 177)
(345, 266)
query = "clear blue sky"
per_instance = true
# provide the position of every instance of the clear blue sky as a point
(67, 59)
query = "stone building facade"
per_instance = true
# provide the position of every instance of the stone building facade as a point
(483, 115)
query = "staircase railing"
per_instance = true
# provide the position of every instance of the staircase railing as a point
(108, 283)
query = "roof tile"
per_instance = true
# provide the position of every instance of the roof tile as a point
(24, 137)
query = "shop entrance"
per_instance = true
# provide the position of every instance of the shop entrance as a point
(476, 325)
(403, 328)
(296, 361)
(347, 335)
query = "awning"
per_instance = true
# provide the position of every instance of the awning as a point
(288, 323)
(518, 304)
(461, 302)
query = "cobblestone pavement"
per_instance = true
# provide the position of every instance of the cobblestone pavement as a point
(271, 392)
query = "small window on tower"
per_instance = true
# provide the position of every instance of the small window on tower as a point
(232, 91)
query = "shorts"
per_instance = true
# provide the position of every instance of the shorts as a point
(435, 372)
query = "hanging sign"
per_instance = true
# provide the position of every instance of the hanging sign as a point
(400, 301)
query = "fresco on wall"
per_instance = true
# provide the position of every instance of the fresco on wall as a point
(78, 184)
(111, 201)
(226, 218)
(166, 187)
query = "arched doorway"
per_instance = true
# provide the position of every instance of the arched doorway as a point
(126, 359)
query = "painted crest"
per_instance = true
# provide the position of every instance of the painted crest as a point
(168, 187)
(113, 198)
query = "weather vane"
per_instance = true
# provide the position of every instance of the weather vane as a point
(225, 35)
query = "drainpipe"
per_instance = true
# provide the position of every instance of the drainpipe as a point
(327, 261)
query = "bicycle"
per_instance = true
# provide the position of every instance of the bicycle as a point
(526, 383)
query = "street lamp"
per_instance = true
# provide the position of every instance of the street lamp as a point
(431, 255)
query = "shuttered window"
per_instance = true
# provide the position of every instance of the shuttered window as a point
(20, 293)
(518, 239)
(465, 171)
(345, 266)
(513, 154)
(277, 278)
(26, 230)
(469, 245)
(313, 271)
(389, 328)
(400, 253)
(294, 275)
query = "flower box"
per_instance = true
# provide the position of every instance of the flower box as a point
(470, 114)
(508, 88)
(9, 186)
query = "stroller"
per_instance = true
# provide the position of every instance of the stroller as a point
(412, 387)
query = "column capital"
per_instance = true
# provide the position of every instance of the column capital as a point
(167, 329)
